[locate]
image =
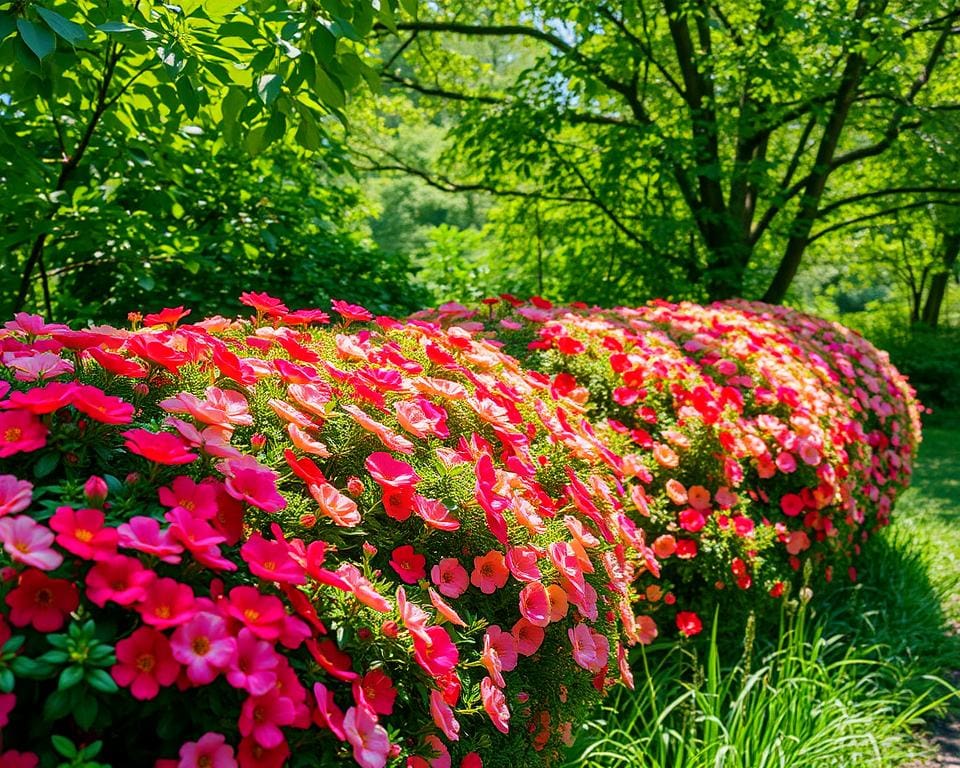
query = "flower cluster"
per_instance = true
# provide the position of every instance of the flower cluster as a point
(758, 446)
(273, 541)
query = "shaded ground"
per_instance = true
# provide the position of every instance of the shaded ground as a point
(930, 510)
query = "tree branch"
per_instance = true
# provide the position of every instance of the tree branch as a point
(940, 190)
(880, 214)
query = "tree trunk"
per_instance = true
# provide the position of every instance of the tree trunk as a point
(938, 283)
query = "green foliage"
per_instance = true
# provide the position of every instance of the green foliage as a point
(147, 142)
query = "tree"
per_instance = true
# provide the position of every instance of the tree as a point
(698, 143)
(84, 76)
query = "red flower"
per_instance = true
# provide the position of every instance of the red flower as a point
(167, 316)
(263, 303)
(688, 623)
(120, 579)
(158, 447)
(145, 663)
(440, 656)
(375, 690)
(41, 400)
(42, 602)
(410, 566)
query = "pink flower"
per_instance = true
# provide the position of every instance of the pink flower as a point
(38, 366)
(252, 669)
(421, 418)
(370, 742)
(263, 615)
(41, 602)
(32, 325)
(408, 564)
(376, 691)
(441, 755)
(490, 572)
(535, 604)
(95, 491)
(158, 447)
(443, 716)
(328, 714)
(791, 504)
(435, 513)
(261, 717)
(82, 532)
(20, 432)
(335, 505)
(350, 313)
(271, 560)
(495, 704)
(168, 604)
(204, 646)
(29, 542)
(209, 751)
(590, 649)
(144, 535)
(199, 499)
(522, 562)
(450, 577)
(254, 484)
(120, 579)
(263, 303)
(40, 400)
(15, 495)
(145, 663)
(440, 656)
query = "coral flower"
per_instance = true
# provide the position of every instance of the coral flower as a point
(440, 656)
(209, 751)
(41, 602)
(504, 645)
(29, 542)
(529, 637)
(337, 506)
(535, 604)
(20, 432)
(408, 564)
(145, 663)
(15, 495)
(204, 646)
(590, 649)
(82, 532)
(522, 562)
(450, 577)
(158, 447)
(495, 704)
(434, 514)
(444, 609)
(370, 742)
(490, 572)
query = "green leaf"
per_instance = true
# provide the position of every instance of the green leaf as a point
(71, 32)
(118, 28)
(8, 24)
(99, 680)
(46, 464)
(23, 666)
(58, 704)
(7, 681)
(64, 746)
(308, 134)
(254, 143)
(324, 45)
(329, 90)
(70, 677)
(189, 97)
(54, 657)
(38, 39)
(86, 711)
(410, 6)
(146, 282)
(268, 88)
(189, 6)
(14, 644)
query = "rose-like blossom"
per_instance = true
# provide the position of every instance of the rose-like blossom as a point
(440, 656)
(370, 741)
(145, 663)
(15, 495)
(450, 577)
(688, 623)
(443, 716)
(495, 704)
(41, 602)
(409, 565)
(490, 572)
(83, 533)
(144, 534)
(158, 447)
(204, 646)
(261, 717)
(376, 690)
(29, 542)
(209, 751)
(20, 432)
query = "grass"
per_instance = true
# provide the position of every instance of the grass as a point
(849, 680)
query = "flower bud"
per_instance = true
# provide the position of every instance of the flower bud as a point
(95, 491)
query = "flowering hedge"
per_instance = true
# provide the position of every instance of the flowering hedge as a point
(389, 542)
(757, 442)
(373, 541)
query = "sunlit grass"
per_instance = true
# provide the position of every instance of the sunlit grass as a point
(851, 678)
